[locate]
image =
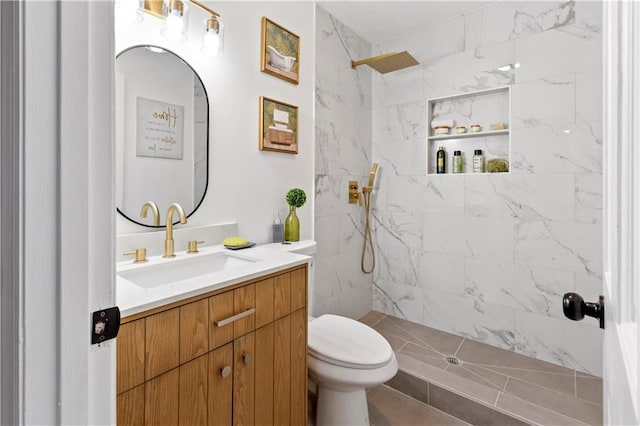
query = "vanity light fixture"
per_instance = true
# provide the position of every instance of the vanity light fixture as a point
(176, 22)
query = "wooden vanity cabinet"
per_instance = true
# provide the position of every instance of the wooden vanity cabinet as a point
(213, 360)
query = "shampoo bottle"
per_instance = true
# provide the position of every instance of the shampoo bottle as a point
(440, 166)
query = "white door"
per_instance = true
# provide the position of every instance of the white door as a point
(621, 212)
(57, 211)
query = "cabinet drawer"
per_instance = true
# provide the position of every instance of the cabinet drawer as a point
(194, 331)
(220, 308)
(130, 407)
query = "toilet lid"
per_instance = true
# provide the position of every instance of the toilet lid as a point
(347, 343)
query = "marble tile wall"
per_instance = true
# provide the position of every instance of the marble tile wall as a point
(489, 256)
(343, 153)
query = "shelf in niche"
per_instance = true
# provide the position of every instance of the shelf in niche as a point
(483, 107)
(469, 135)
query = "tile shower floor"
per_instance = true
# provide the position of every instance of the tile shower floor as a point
(447, 375)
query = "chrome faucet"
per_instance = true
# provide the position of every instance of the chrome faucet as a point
(154, 208)
(168, 242)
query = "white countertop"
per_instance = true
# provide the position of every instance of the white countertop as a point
(132, 298)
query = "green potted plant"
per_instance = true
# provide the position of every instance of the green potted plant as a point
(295, 198)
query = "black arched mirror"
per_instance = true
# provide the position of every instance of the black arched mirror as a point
(162, 133)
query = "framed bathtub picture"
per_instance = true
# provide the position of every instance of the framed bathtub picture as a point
(278, 126)
(280, 56)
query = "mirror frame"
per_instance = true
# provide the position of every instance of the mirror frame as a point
(204, 89)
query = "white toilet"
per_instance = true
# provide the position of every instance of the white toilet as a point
(344, 358)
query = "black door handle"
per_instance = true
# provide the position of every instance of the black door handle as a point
(575, 308)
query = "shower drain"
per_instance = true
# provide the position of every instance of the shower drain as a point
(453, 360)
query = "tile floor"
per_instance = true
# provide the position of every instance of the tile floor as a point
(488, 385)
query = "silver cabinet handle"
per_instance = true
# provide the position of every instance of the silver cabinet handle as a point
(229, 320)
(247, 358)
(224, 372)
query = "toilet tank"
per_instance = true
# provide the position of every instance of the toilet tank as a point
(307, 248)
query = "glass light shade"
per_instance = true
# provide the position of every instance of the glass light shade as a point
(213, 38)
(129, 11)
(176, 21)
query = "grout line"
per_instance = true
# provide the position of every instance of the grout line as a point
(459, 346)
(489, 384)
(575, 383)
(379, 319)
(402, 347)
(519, 369)
(495, 403)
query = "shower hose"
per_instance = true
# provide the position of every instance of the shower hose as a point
(366, 192)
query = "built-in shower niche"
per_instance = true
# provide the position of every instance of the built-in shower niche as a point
(482, 107)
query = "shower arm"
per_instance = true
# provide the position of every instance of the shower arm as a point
(370, 60)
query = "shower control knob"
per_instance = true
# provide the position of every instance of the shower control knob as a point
(575, 308)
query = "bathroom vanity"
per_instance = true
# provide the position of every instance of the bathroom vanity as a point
(235, 353)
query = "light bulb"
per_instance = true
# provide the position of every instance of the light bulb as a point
(211, 43)
(128, 11)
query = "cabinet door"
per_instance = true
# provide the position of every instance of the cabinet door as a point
(193, 392)
(161, 400)
(282, 296)
(130, 355)
(282, 371)
(130, 407)
(264, 302)
(244, 298)
(221, 386)
(243, 380)
(162, 343)
(194, 331)
(264, 376)
(220, 308)
(298, 289)
(299, 367)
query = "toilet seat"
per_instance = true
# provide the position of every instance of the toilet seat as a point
(347, 343)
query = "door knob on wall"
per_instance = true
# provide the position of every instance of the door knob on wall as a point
(575, 308)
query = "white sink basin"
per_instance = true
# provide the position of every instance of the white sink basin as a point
(159, 274)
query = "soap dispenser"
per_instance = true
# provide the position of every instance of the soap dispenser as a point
(278, 230)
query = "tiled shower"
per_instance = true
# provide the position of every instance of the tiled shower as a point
(486, 257)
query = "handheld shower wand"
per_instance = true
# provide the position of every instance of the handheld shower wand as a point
(368, 239)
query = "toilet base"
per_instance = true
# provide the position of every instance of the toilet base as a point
(337, 408)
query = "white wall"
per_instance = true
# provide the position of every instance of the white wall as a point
(343, 153)
(245, 184)
(490, 256)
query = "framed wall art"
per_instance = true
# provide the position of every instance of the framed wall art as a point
(278, 126)
(280, 55)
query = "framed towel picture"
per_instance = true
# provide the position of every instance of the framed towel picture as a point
(278, 126)
(280, 54)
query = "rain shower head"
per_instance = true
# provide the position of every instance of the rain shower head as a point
(388, 62)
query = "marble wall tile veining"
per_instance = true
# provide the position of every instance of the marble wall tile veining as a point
(498, 251)
(573, 147)
(442, 272)
(426, 194)
(552, 339)
(401, 300)
(525, 288)
(525, 196)
(572, 247)
(544, 55)
(440, 39)
(402, 157)
(401, 121)
(343, 153)
(481, 237)
(589, 95)
(588, 198)
(470, 70)
(544, 102)
(481, 321)
(515, 19)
